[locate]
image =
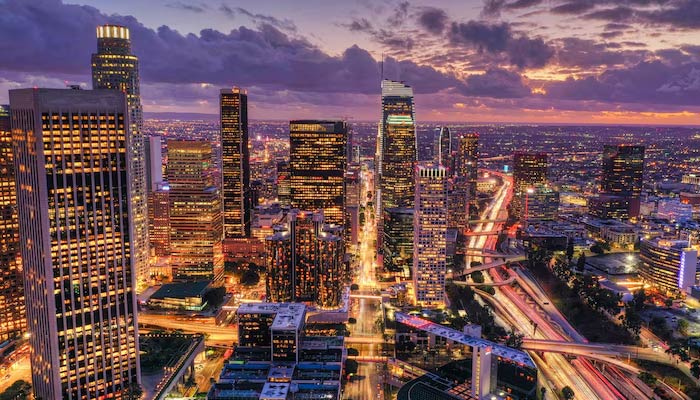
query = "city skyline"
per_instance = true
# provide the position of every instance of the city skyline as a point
(494, 61)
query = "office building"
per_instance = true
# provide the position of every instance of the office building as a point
(284, 189)
(429, 235)
(235, 157)
(154, 158)
(458, 203)
(304, 261)
(621, 183)
(670, 266)
(280, 356)
(73, 173)
(444, 145)
(195, 212)
(396, 148)
(539, 203)
(529, 169)
(398, 241)
(317, 165)
(160, 226)
(114, 67)
(12, 317)
(466, 175)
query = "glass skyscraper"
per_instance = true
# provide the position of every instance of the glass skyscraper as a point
(114, 67)
(235, 159)
(72, 170)
(12, 318)
(195, 212)
(317, 165)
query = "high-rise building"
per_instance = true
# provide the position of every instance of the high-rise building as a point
(114, 67)
(12, 314)
(317, 165)
(444, 153)
(235, 157)
(668, 265)
(621, 183)
(466, 174)
(284, 189)
(73, 172)
(396, 147)
(398, 241)
(529, 169)
(623, 170)
(430, 235)
(160, 229)
(195, 212)
(304, 261)
(154, 155)
(540, 203)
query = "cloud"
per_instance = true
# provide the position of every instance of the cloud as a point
(268, 19)
(359, 25)
(521, 51)
(433, 20)
(195, 8)
(493, 8)
(496, 83)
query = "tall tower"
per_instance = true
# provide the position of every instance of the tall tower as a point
(196, 228)
(529, 170)
(467, 171)
(12, 313)
(396, 146)
(73, 173)
(317, 165)
(235, 157)
(623, 170)
(444, 153)
(114, 67)
(430, 235)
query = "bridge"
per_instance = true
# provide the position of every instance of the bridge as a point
(485, 233)
(485, 353)
(182, 370)
(486, 221)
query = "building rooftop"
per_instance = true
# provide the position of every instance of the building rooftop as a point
(288, 316)
(516, 356)
(181, 290)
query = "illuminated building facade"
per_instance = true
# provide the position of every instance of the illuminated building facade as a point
(195, 212)
(529, 169)
(160, 230)
(304, 261)
(430, 235)
(466, 175)
(621, 183)
(235, 157)
(114, 67)
(283, 185)
(540, 203)
(398, 241)
(317, 165)
(668, 265)
(72, 171)
(12, 314)
(444, 153)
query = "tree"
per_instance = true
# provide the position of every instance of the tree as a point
(597, 248)
(647, 378)
(581, 263)
(250, 278)
(567, 393)
(570, 250)
(695, 369)
(543, 390)
(19, 390)
(133, 391)
(351, 367)
(352, 320)
(639, 298)
(514, 340)
(631, 320)
(668, 303)
(354, 287)
(353, 352)
(679, 350)
(477, 277)
(215, 296)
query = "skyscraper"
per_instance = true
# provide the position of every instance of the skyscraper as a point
(444, 153)
(529, 169)
(235, 157)
(466, 171)
(283, 184)
(621, 183)
(623, 170)
(396, 146)
(304, 261)
(195, 212)
(114, 67)
(430, 235)
(398, 241)
(160, 229)
(12, 314)
(317, 165)
(73, 172)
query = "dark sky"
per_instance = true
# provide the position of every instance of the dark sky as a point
(595, 61)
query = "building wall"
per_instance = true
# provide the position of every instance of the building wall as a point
(235, 156)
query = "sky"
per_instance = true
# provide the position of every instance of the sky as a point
(520, 61)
